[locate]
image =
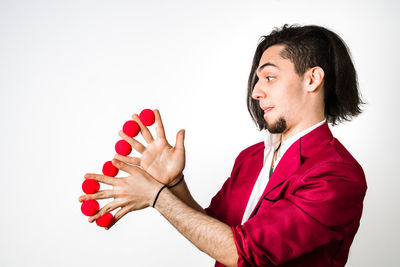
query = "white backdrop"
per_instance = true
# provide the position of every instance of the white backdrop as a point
(72, 72)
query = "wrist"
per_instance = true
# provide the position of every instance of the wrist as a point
(164, 187)
(177, 180)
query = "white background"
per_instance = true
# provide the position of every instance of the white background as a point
(72, 72)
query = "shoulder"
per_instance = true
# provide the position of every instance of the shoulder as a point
(334, 160)
(336, 153)
(250, 151)
(340, 153)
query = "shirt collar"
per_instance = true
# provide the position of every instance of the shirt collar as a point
(273, 140)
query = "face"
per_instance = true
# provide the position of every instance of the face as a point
(279, 91)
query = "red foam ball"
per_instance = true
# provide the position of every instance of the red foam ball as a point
(106, 220)
(109, 169)
(131, 128)
(123, 148)
(90, 207)
(90, 186)
(147, 117)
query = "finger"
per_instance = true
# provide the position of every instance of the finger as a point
(160, 127)
(143, 129)
(106, 209)
(180, 138)
(101, 178)
(123, 166)
(121, 213)
(127, 159)
(134, 143)
(98, 195)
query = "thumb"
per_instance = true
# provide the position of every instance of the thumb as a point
(180, 137)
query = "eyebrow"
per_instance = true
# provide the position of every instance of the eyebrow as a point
(265, 65)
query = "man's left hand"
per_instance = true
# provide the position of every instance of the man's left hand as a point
(135, 192)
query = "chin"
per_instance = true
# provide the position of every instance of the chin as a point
(279, 126)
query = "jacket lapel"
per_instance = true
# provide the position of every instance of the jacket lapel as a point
(304, 148)
(288, 164)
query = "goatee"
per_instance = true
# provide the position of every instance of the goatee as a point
(277, 127)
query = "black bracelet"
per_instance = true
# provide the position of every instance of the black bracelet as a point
(180, 180)
(158, 195)
(155, 200)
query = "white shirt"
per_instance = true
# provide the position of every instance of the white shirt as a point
(271, 142)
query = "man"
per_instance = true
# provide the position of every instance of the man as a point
(293, 200)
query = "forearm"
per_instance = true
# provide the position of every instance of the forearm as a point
(182, 192)
(208, 234)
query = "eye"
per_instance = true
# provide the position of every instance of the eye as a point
(269, 77)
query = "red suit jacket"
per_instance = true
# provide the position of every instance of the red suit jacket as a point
(309, 211)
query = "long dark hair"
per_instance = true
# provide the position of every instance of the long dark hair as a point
(307, 47)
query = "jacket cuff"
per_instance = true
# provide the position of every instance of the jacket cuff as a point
(238, 241)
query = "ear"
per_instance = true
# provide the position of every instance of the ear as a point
(314, 79)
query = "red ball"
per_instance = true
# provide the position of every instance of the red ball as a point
(123, 148)
(147, 117)
(106, 220)
(109, 169)
(131, 128)
(90, 207)
(90, 186)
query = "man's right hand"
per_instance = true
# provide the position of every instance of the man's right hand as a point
(164, 162)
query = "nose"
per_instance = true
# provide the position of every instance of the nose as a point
(258, 93)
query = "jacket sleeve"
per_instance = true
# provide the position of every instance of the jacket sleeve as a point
(309, 217)
(218, 202)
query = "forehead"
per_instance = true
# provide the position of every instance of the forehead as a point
(272, 55)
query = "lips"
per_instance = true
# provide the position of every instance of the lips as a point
(266, 109)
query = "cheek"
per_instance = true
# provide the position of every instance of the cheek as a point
(287, 97)
(295, 103)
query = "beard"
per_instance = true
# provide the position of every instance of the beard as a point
(277, 127)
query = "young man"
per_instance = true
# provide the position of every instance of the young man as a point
(295, 199)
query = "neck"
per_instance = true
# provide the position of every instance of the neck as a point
(290, 131)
